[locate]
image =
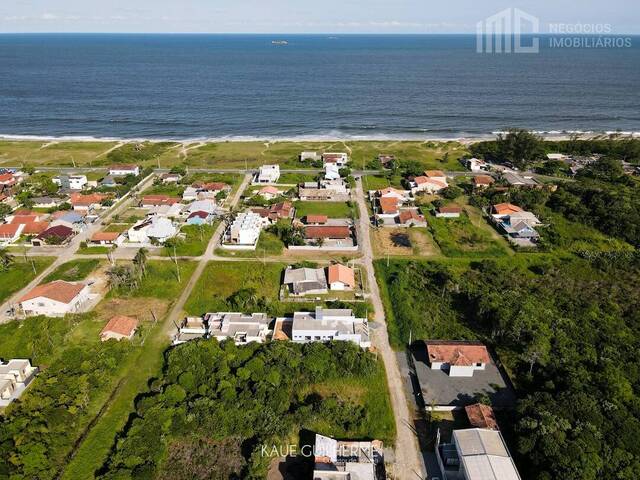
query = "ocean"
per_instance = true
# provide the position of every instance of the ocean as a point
(317, 86)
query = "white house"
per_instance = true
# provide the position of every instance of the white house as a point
(155, 228)
(305, 281)
(312, 156)
(267, 174)
(55, 299)
(390, 192)
(340, 159)
(123, 170)
(70, 182)
(119, 328)
(10, 232)
(15, 376)
(341, 277)
(337, 187)
(331, 171)
(238, 326)
(325, 325)
(208, 206)
(460, 359)
(476, 165)
(245, 229)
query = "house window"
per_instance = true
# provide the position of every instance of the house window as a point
(317, 337)
(307, 337)
(479, 364)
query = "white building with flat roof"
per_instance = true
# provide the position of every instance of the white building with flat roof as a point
(15, 376)
(325, 325)
(242, 328)
(245, 229)
(267, 174)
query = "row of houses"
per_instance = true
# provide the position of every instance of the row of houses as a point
(42, 229)
(15, 377)
(321, 325)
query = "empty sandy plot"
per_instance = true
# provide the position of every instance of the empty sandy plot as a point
(403, 242)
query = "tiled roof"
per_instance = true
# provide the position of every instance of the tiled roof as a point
(481, 416)
(316, 219)
(434, 173)
(61, 231)
(450, 209)
(483, 180)
(159, 200)
(9, 230)
(35, 228)
(342, 273)
(389, 205)
(506, 208)
(410, 214)
(338, 231)
(18, 219)
(105, 236)
(78, 199)
(58, 290)
(270, 190)
(457, 353)
(200, 214)
(121, 325)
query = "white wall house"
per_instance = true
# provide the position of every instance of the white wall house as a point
(155, 228)
(245, 229)
(15, 376)
(55, 299)
(242, 328)
(325, 325)
(267, 174)
(70, 182)
(338, 158)
(331, 171)
(459, 359)
(124, 170)
(476, 165)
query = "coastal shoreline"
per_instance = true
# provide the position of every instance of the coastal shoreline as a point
(465, 140)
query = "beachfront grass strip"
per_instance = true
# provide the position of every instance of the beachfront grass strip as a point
(459, 237)
(20, 273)
(195, 241)
(330, 209)
(59, 154)
(73, 271)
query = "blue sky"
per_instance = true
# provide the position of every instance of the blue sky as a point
(301, 16)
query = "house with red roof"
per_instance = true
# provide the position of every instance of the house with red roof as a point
(56, 235)
(433, 181)
(87, 202)
(341, 277)
(119, 328)
(459, 358)
(149, 201)
(106, 238)
(55, 299)
(7, 180)
(10, 232)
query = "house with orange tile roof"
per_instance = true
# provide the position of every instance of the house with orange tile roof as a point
(502, 209)
(433, 181)
(390, 192)
(7, 180)
(481, 416)
(341, 277)
(87, 202)
(55, 299)
(315, 219)
(269, 192)
(119, 328)
(449, 211)
(35, 228)
(10, 232)
(149, 201)
(106, 238)
(460, 359)
(388, 207)
(482, 181)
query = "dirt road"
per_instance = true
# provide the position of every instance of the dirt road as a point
(408, 459)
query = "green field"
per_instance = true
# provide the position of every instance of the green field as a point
(73, 271)
(94, 250)
(378, 182)
(225, 155)
(296, 178)
(459, 237)
(20, 273)
(194, 244)
(330, 209)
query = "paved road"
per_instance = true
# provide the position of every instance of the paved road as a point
(64, 254)
(408, 459)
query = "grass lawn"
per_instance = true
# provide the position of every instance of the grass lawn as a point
(21, 273)
(268, 245)
(73, 271)
(161, 280)
(195, 242)
(459, 237)
(330, 209)
(370, 392)
(60, 154)
(378, 182)
(296, 178)
(221, 279)
(171, 189)
(118, 227)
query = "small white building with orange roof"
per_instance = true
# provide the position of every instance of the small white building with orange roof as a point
(341, 277)
(119, 328)
(55, 299)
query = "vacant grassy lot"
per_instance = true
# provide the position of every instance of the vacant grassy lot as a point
(93, 250)
(221, 279)
(20, 273)
(404, 242)
(378, 182)
(193, 244)
(62, 154)
(330, 209)
(459, 237)
(296, 178)
(73, 271)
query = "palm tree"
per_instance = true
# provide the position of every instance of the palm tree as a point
(140, 261)
(6, 259)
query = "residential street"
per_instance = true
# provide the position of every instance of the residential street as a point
(408, 460)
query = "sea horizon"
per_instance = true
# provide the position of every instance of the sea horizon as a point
(225, 87)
